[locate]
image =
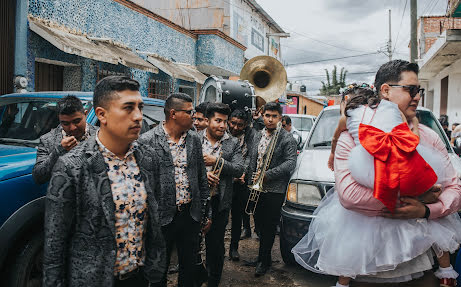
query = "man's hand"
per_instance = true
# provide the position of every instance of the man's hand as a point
(209, 159)
(213, 180)
(206, 227)
(412, 208)
(69, 142)
(240, 180)
(431, 195)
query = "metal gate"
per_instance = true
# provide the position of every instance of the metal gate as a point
(7, 22)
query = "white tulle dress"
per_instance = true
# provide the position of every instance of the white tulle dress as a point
(343, 242)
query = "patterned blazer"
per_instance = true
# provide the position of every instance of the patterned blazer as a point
(196, 173)
(282, 164)
(232, 168)
(48, 151)
(80, 246)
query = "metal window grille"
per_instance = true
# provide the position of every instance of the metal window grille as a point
(102, 73)
(159, 89)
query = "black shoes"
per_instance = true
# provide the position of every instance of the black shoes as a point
(246, 233)
(234, 254)
(261, 269)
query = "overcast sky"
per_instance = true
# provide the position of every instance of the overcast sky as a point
(346, 28)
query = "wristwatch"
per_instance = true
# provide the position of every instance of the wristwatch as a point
(427, 213)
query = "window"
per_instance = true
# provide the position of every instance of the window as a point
(257, 39)
(48, 77)
(153, 116)
(188, 90)
(159, 89)
(104, 73)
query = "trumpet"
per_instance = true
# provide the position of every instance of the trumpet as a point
(217, 171)
(256, 187)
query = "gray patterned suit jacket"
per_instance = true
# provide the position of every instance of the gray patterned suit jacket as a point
(282, 164)
(232, 168)
(196, 173)
(80, 246)
(48, 151)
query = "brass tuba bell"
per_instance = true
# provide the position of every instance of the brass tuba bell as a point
(268, 77)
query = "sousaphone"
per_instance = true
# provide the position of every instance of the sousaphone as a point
(268, 77)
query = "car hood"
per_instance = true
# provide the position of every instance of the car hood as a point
(312, 165)
(16, 161)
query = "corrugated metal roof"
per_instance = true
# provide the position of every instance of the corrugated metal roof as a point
(79, 44)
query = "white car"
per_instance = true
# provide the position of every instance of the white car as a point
(302, 123)
(312, 178)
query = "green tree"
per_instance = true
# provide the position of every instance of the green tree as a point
(332, 87)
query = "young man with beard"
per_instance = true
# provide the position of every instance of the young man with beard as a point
(183, 183)
(217, 143)
(240, 129)
(277, 175)
(101, 216)
(72, 130)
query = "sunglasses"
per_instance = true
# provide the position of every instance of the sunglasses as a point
(189, 112)
(413, 90)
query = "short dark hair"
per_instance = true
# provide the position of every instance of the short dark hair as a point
(273, 106)
(175, 101)
(240, 114)
(105, 89)
(391, 72)
(219, 108)
(455, 124)
(69, 105)
(287, 119)
(201, 108)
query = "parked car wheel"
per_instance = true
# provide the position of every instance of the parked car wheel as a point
(27, 268)
(285, 250)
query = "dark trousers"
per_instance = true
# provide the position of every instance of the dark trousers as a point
(184, 231)
(239, 201)
(214, 241)
(267, 216)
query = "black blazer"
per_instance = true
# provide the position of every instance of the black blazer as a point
(80, 246)
(282, 164)
(196, 173)
(233, 167)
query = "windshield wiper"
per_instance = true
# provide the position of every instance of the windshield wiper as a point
(324, 143)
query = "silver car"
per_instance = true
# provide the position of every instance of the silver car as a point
(312, 178)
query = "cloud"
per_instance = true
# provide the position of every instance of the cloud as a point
(337, 28)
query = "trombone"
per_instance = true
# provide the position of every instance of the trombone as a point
(256, 187)
(217, 171)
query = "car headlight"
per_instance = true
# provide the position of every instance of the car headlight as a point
(304, 193)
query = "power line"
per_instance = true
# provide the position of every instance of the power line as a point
(332, 59)
(400, 26)
(321, 76)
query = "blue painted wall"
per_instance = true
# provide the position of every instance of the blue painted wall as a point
(215, 51)
(109, 19)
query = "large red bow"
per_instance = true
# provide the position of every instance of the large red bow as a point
(399, 168)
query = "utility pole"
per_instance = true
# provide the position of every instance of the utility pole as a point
(389, 43)
(413, 38)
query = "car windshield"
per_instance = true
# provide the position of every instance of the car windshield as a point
(323, 132)
(428, 119)
(23, 121)
(328, 120)
(301, 124)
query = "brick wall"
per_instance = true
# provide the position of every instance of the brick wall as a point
(432, 26)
